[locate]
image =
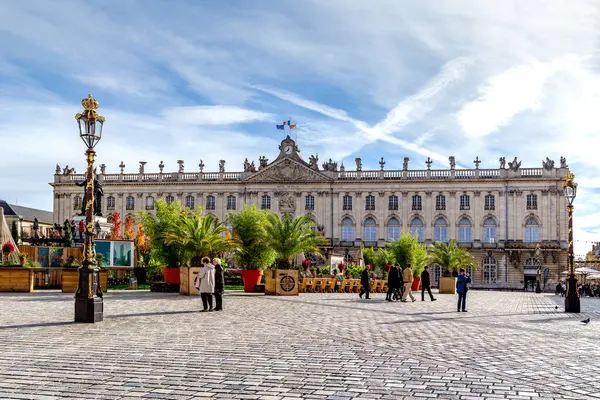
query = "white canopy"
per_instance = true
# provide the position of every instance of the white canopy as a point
(586, 270)
(5, 235)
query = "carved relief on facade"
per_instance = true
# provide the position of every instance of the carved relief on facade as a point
(287, 203)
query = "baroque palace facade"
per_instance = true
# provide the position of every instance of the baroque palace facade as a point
(499, 214)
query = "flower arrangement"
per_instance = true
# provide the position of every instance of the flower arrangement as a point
(387, 267)
(341, 267)
(8, 248)
(305, 264)
(22, 259)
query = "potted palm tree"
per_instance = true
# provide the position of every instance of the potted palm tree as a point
(288, 237)
(197, 236)
(451, 257)
(252, 253)
(407, 250)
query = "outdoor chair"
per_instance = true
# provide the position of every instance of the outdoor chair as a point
(331, 287)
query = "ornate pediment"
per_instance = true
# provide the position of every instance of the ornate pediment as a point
(288, 170)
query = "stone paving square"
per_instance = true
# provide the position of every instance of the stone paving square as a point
(315, 346)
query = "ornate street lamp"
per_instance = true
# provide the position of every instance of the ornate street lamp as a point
(538, 289)
(88, 298)
(572, 298)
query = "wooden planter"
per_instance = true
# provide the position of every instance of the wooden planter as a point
(447, 285)
(187, 276)
(70, 280)
(281, 282)
(16, 279)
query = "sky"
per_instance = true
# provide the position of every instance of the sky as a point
(209, 80)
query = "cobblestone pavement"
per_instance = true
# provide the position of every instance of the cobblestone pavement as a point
(315, 346)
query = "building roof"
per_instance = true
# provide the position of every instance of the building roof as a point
(12, 210)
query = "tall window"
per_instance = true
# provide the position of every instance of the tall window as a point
(370, 234)
(393, 229)
(532, 231)
(231, 200)
(417, 229)
(130, 203)
(347, 202)
(370, 203)
(210, 202)
(190, 201)
(464, 231)
(489, 270)
(489, 202)
(169, 199)
(309, 202)
(440, 230)
(149, 203)
(110, 203)
(393, 203)
(436, 269)
(417, 203)
(440, 202)
(465, 202)
(489, 230)
(265, 202)
(347, 230)
(532, 201)
(77, 203)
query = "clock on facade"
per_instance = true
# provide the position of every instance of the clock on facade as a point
(287, 149)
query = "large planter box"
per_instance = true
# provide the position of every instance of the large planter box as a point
(172, 275)
(251, 278)
(187, 276)
(70, 280)
(16, 280)
(416, 283)
(281, 282)
(447, 285)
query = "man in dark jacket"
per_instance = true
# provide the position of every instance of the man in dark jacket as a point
(426, 284)
(462, 288)
(393, 282)
(219, 284)
(365, 282)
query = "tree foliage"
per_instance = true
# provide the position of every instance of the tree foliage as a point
(115, 230)
(248, 226)
(289, 237)
(68, 239)
(407, 250)
(129, 234)
(451, 257)
(14, 231)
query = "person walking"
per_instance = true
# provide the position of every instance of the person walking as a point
(81, 230)
(393, 282)
(426, 284)
(219, 284)
(407, 277)
(207, 284)
(365, 282)
(462, 288)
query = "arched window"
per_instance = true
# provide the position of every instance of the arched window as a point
(169, 199)
(532, 231)
(347, 202)
(489, 230)
(130, 203)
(149, 203)
(464, 231)
(77, 203)
(370, 203)
(231, 202)
(490, 270)
(532, 263)
(190, 201)
(347, 230)
(440, 230)
(110, 203)
(417, 229)
(393, 229)
(210, 202)
(370, 234)
(265, 202)
(440, 202)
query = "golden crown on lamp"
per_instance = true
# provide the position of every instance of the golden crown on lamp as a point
(90, 103)
(569, 176)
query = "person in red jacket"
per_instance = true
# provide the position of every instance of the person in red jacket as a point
(81, 229)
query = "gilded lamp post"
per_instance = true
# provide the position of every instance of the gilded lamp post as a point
(88, 298)
(572, 303)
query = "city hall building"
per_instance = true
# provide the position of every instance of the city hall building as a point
(500, 214)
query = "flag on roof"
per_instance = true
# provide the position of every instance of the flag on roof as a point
(280, 127)
(292, 126)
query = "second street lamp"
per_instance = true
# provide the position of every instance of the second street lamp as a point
(89, 305)
(572, 303)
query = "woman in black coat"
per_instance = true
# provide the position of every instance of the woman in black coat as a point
(393, 282)
(219, 284)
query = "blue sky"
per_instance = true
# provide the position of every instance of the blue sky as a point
(198, 80)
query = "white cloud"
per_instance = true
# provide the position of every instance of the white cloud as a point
(214, 115)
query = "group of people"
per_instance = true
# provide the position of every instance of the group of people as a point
(400, 285)
(211, 281)
(584, 290)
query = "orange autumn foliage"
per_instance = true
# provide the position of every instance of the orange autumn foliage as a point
(129, 234)
(115, 231)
